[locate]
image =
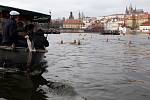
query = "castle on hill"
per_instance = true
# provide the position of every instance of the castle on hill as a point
(131, 10)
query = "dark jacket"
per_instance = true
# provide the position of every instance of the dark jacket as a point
(9, 35)
(40, 42)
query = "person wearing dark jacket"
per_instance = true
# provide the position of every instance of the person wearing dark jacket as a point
(37, 38)
(40, 41)
(10, 34)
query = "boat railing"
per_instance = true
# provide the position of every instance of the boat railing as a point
(9, 48)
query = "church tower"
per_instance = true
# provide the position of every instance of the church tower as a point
(79, 15)
(127, 11)
(82, 15)
(71, 15)
(135, 9)
(130, 9)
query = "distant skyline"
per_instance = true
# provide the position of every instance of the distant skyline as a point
(92, 8)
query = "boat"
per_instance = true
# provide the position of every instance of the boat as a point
(110, 32)
(20, 55)
(52, 31)
(26, 56)
(23, 55)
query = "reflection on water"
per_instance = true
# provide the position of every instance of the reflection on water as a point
(100, 68)
(20, 85)
(16, 84)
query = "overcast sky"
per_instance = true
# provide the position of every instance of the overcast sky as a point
(61, 8)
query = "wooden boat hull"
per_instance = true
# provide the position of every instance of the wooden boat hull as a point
(20, 56)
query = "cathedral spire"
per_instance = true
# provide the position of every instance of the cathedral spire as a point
(71, 15)
(130, 8)
(79, 15)
(83, 15)
(127, 12)
(135, 8)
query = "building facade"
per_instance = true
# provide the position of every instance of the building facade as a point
(145, 27)
(135, 17)
(95, 26)
(135, 20)
(73, 25)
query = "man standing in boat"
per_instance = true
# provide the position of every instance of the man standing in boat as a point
(9, 36)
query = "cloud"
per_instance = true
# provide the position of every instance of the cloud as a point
(61, 8)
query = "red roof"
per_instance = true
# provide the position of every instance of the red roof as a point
(73, 21)
(139, 16)
(146, 23)
(148, 15)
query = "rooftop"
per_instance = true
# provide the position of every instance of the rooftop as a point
(146, 23)
(22, 11)
(73, 21)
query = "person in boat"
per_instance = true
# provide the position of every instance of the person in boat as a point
(29, 30)
(40, 41)
(37, 38)
(20, 27)
(22, 32)
(9, 35)
(21, 41)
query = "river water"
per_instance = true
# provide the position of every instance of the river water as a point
(102, 67)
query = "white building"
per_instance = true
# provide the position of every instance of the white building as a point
(112, 22)
(88, 21)
(112, 26)
(145, 27)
